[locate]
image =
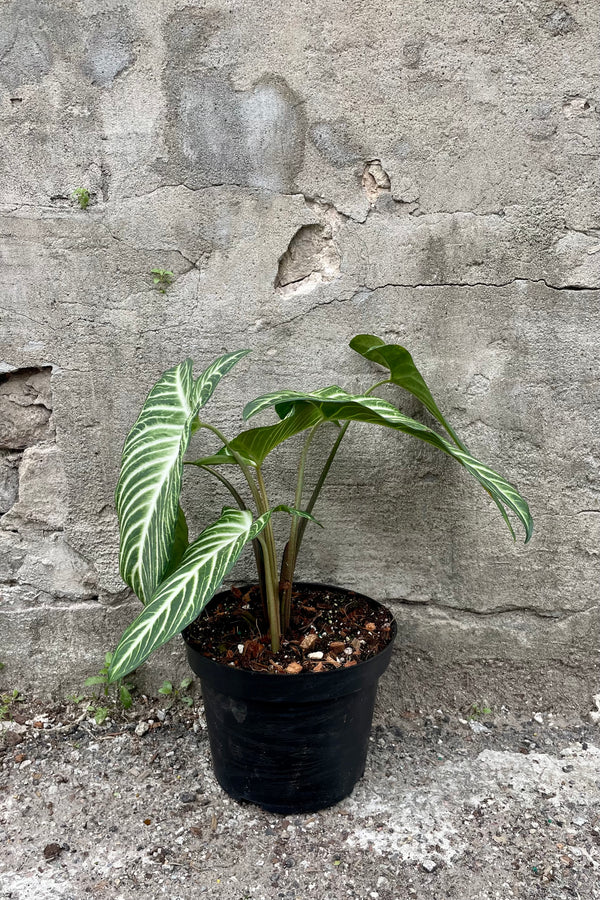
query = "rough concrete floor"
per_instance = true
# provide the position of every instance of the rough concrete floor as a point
(496, 807)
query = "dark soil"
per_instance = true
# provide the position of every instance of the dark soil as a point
(330, 629)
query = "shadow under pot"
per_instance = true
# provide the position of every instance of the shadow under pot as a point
(290, 743)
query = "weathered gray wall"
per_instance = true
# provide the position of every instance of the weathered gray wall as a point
(424, 171)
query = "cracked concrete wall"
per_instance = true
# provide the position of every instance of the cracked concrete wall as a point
(426, 172)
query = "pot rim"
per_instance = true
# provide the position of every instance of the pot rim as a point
(309, 686)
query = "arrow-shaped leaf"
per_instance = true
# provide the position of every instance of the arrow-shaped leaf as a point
(336, 404)
(403, 372)
(184, 594)
(147, 495)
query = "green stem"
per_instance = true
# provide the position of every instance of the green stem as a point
(258, 557)
(292, 548)
(379, 383)
(317, 489)
(226, 482)
(239, 460)
(271, 579)
(263, 562)
(272, 597)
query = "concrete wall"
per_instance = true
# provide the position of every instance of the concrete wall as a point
(424, 171)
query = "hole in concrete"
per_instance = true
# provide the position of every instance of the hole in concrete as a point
(9, 479)
(310, 259)
(375, 181)
(25, 408)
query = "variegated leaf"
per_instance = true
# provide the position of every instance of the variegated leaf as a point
(284, 401)
(184, 594)
(147, 495)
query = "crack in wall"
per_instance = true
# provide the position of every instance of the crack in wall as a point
(462, 284)
(312, 257)
(187, 259)
(364, 291)
(531, 611)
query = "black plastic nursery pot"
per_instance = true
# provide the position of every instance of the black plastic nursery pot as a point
(290, 743)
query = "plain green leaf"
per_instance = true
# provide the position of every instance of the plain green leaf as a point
(255, 444)
(336, 404)
(180, 543)
(101, 714)
(125, 697)
(403, 372)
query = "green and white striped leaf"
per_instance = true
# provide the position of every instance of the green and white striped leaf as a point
(335, 404)
(184, 594)
(206, 383)
(285, 401)
(147, 494)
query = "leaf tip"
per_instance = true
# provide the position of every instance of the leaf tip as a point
(248, 411)
(359, 340)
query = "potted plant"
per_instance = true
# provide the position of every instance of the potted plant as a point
(289, 671)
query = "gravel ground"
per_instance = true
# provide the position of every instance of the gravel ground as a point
(492, 807)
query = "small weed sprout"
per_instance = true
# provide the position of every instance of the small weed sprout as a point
(162, 279)
(75, 698)
(477, 711)
(101, 714)
(123, 692)
(177, 693)
(82, 195)
(6, 704)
